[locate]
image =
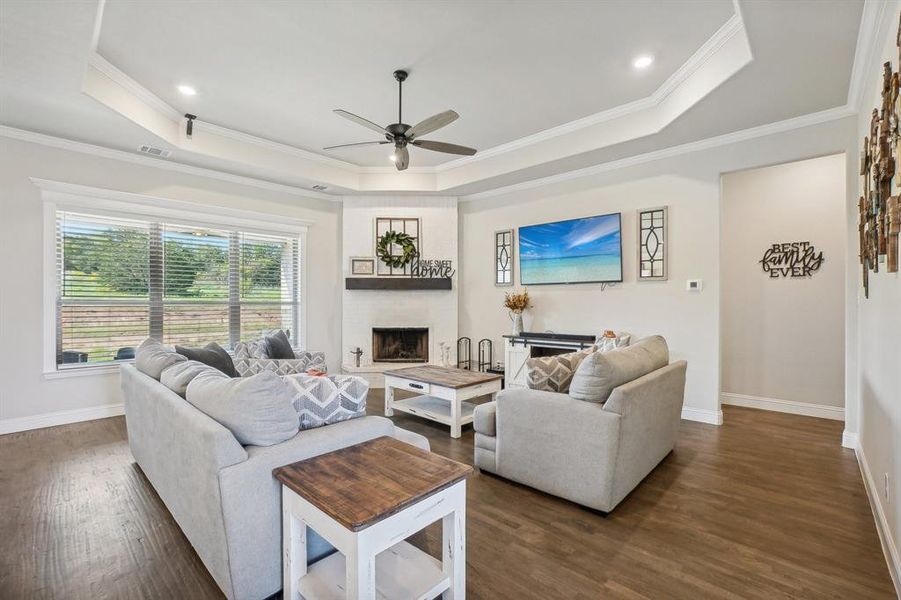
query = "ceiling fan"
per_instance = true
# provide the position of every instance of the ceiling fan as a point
(400, 134)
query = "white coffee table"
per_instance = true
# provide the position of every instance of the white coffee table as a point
(442, 393)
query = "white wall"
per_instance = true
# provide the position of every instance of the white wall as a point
(690, 184)
(879, 344)
(24, 391)
(784, 338)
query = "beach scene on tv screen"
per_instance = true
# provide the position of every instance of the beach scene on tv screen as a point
(575, 251)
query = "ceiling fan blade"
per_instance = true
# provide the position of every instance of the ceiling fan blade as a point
(359, 120)
(432, 123)
(356, 144)
(401, 158)
(445, 147)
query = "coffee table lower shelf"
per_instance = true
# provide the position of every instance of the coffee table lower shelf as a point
(402, 571)
(434, 408)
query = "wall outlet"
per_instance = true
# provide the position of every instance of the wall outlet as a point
(694, 285)
(885, 491)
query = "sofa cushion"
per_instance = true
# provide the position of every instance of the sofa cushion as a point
(601, 372)
(323, 400)
(258, 410)
(152, 356)
(554, 373)
(177, 377)
(278, 346)
(213, 355)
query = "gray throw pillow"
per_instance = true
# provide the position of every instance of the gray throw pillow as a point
(278, 346)
(177, 377)
(601, 372)
(326, 399)
(152, 357)
(554, 373)
(213, 355)
(258, 410)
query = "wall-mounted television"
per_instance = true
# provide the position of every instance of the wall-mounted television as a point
(586, 250)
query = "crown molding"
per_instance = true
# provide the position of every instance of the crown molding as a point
(159, 163)
(275, 146)
(869, 36)
(133, 87)
(825, 116)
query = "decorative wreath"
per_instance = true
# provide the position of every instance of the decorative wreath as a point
(405, 241)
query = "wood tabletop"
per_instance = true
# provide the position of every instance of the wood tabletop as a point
(362, 484)
(444, 376)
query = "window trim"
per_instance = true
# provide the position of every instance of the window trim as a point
(60, 196)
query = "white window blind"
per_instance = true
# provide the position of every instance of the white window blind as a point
(122, 280)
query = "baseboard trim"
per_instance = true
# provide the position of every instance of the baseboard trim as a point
(882, 527)
(702, 415)
(62, 417)
(849, 439)
(807, 409)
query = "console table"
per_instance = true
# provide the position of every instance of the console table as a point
(365, 500)
(519, 348)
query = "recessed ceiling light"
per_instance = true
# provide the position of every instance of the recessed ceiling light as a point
(643, 62)
(187, 90)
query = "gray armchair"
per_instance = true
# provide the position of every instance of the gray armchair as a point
(590, 453)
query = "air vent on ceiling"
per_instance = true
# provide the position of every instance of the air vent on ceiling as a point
(319, 187)
(154, 151)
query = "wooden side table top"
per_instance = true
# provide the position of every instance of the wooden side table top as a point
(362, 484)
(444, 376)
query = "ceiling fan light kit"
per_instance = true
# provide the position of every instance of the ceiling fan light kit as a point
(401, 135)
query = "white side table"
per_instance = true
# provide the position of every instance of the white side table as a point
(389, 490)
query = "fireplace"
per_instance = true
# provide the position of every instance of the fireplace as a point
(400, 344)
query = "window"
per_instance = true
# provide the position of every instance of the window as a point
(120, 280)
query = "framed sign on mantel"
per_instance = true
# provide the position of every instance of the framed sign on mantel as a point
(653, 244)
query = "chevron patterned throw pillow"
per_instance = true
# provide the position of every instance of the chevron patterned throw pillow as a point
(325, 400)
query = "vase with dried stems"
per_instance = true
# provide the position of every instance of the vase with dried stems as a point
(516, 303)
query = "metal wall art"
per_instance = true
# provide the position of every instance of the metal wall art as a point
(652, 244)
(879, 211)
(432, 269)
(791, 259)
(503, 257)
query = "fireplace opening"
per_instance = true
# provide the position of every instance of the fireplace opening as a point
(400, 344)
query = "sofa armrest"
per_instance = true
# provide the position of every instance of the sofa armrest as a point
(484, 418)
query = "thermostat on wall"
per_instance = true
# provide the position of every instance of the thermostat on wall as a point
(694, 285)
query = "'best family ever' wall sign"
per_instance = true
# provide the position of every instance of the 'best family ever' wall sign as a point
(791, 259)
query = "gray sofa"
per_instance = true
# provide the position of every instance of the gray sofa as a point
(222, 494)
(591, 453)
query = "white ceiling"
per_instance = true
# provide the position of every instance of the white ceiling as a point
(511, 69)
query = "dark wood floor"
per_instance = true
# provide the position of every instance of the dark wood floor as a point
(766, 506)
